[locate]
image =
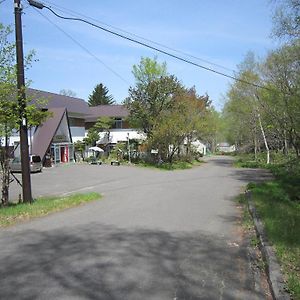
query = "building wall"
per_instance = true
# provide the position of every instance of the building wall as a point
(78, 133)
(76, 122)
(120, 135)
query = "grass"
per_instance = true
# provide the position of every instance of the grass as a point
(278, 205)
(176, 165)
(15, 213)
(281, 218)
(286, 170)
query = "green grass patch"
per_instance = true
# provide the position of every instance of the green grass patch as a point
(278, 206)
(247, 221)
(281, 218)
(177, 165)
(286, 170)
(248, 161)
(15, 213)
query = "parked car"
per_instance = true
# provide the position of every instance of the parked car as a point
(35, 164)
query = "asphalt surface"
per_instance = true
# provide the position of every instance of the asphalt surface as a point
(154, 235)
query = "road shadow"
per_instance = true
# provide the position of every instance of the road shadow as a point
(242, 174)
(225, 161)
(105, 262)
(252, 175)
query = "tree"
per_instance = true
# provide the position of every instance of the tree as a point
(100, 96)
(180, 124)
(151, 94)
(68, 93)
(9, 105)
(92, 137)
(167, 112)
(244, 107)
(281, 71)
(146, 102)
(103, 124)
(148, 70)
(286, 20)
(80, 147)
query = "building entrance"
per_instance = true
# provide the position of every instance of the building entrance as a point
(62, 153)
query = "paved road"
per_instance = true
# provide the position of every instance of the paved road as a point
(154, 235)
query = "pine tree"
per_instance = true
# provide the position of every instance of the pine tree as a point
(100, 96)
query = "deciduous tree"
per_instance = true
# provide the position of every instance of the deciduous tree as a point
(9, 106)
(67, 92)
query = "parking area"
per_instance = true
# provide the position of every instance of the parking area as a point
(72, 178)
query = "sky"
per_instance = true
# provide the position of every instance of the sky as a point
(72, 55)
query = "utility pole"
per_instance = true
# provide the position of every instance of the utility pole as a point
(26, 180)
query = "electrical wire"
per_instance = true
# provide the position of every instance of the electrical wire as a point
(40, 5)
(85, 49)
(73, 13)
(155, 49)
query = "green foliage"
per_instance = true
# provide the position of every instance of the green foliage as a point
(177, 165)
(15, 213)
(181, 122)
(12, 109)
(117, 153)
(104, 124)
(242, 109)
(92, 137)
(285, 169)
(288, 175)
(281, 71)
(168, 113)
(277, 106)
(148, 70)
(281, 218)
(286, 19)
(100, 96)
(146, 103)
(79, 146)
(262, 119)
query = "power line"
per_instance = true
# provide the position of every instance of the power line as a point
(40, 6)
(73, 13)
(84, 48)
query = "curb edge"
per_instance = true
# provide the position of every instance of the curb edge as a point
(275, 278)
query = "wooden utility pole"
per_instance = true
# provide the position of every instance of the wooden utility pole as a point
(26, 180)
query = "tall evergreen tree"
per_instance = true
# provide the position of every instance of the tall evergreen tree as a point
(100, 96)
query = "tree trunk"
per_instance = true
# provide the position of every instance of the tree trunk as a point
(264, 137)
(255, 144)
(5, 173)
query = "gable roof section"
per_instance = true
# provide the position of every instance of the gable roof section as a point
(74, 105)
(45, 132)
(115, 110)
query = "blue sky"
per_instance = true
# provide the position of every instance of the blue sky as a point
(218, 31)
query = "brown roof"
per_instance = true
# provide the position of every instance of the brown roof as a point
(76, 106)
(45, 132)
(115, 110)
(72, 104)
